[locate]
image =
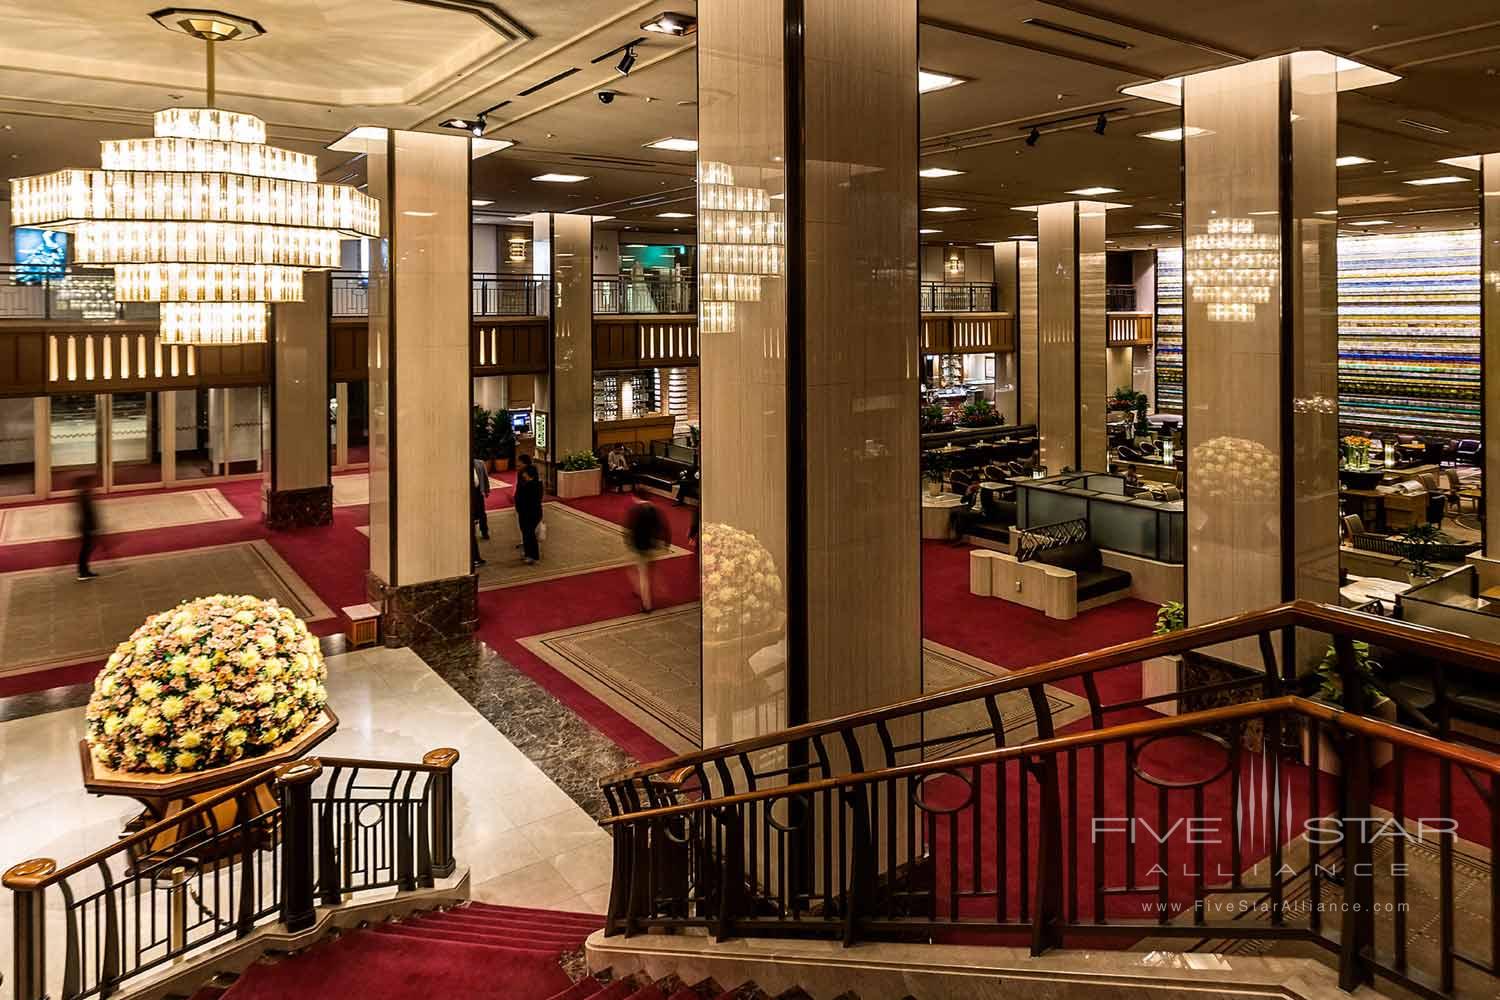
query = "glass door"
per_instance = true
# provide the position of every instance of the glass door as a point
(135, 453)
(75, 438)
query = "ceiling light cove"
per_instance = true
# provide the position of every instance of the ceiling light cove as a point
(1351, 161)
(560, 178)
(938, 172)
(930, 80)
(1090, 192)
(675, 144)
(945, 209)
(1430, 181)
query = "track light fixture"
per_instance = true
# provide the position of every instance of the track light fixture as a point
(1100, 124)
(1035, 136)
(478, 128)
(627, 61)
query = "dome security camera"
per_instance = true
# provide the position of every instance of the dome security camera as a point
(606, 96)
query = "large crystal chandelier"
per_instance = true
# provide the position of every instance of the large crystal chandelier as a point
(203, 218)
(740, 240)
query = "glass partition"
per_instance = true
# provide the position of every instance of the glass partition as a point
(17, 447)
(134, 439)
(1148, 528)
(74, 439)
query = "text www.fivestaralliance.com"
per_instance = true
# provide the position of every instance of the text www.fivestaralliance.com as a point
(1291, 907)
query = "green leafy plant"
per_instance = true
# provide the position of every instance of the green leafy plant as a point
(1418, 544)
(579, 461)
(1126, 398)
(934, 418)
(980, 413)
(1170, 617)
(1331, 680)
(502, 435)
(934, 466)
(481, 433)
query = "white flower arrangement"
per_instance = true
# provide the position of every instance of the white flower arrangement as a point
(1236, 468)
(741, 588)
(212, 681)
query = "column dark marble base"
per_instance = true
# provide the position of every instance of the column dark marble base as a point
(308, 508)
(425, 612)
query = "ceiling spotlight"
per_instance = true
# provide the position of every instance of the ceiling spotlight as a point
(1034, 137)
(627, 61)
(464, 124)
(478, 129)
(670, 22)
(1100, 124)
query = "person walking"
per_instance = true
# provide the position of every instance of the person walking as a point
(529, 512)
(480, 480)
(478, 522)
(644, 532)
(88, 523)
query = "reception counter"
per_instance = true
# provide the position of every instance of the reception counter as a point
(637, 433)
(1150, 529)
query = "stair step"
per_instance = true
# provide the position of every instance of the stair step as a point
(507, 941)
(647, 993)
(473, 948)
(511, 925)
(500, 932)
(620, 989)
(527, 911)
(584, 989)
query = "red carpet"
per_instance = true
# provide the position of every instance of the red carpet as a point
(475, 951)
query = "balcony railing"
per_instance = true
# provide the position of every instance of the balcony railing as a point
(645, 296)
(968, 297)
(493, 294)
(28, 292)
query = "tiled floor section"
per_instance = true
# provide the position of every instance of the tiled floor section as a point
(577, 542)
(51, 618)
(54, 521)
(523, 839)
(647, 667)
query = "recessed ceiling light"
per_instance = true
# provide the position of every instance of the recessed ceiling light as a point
(670, 22)
(1024, 236)
(419, 215)
(675, 144)
(1026, 208)
(484, 147)
(928, 232)
(560, 178)
(930, 80)
(944, 208)
(1429, 181)
(1173, 134)
(362, 139)
(1351, 161)
(480, 202)
(938, 172)
(1371, 222)
(1154, 225)
(1090, 192)
(674, 215)
(1467, 162)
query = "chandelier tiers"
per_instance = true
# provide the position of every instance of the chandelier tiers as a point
(204, 218)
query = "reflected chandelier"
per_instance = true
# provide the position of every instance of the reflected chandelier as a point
(203, 218)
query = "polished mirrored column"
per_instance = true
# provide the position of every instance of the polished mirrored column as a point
(1489, 311)
(807, 196)
(420, 321)
(298, 492)
(1261, 313)
(1070, 356)
(1026, 329)
(571, 383)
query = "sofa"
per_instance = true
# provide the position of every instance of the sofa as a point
(1095, 580)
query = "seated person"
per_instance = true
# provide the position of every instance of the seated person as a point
(687, 486)
(617, 470)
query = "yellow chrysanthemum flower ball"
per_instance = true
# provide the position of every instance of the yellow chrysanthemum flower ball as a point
(210, 682)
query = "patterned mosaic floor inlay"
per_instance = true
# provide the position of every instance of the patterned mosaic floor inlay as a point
(646, 667)
(53, 522)
(49, 618)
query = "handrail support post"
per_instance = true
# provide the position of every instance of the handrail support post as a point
(294, 781)
(27, 881)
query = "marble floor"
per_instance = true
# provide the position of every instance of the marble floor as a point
(52, 522)
(51, 618)
(523, 838)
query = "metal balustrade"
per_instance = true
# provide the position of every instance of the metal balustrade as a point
(273, 846)
(937, 296)
(621, 295)
(28, 292)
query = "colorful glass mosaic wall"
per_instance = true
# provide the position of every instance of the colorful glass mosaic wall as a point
(1408, 334)
(1169, 373)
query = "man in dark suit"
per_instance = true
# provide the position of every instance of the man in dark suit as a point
(529, 511)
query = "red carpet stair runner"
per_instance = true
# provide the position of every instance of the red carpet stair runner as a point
(475, 951)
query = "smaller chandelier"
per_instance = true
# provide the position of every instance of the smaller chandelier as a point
(203, 218)
(740, 241)
(1232, 269)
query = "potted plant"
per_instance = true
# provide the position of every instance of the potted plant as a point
(1418, 550)
(1331, 690)
(481, 434)
(502, 440)
(935, 420)
(579, 475)
(934, 465)
(1162, 674)
(1123, 399)
(980, 413)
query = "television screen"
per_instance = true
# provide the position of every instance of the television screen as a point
(520, 421)
(40, 253)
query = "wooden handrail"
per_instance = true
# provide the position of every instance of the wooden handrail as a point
(42, 879)
(1400, 636)
(1465, 756)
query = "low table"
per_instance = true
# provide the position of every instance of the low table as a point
(937, 514)
(364, 624)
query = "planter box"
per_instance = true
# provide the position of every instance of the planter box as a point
(1161, 675)
(1329, 761)
(582, 483)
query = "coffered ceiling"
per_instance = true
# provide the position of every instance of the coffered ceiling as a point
(76, 71)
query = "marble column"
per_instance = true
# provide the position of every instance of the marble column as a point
(298, 492)
(1026, 329)
(1007, 299)
(1489, 312)
(808, 276)
(1261, 315)
(420, 303)
(1071, 377)
(570, 387)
